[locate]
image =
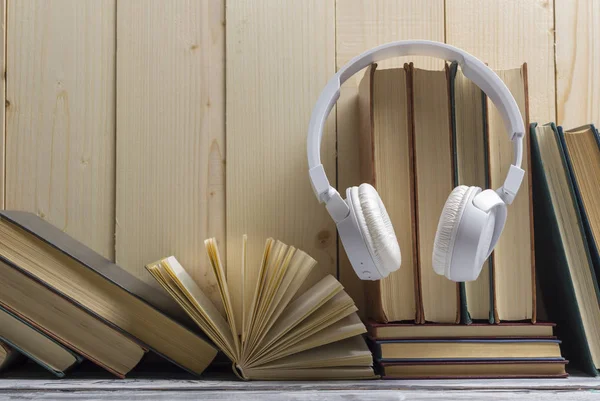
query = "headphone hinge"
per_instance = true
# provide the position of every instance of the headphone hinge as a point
(320, 183)
(513, 181)
(336, 206)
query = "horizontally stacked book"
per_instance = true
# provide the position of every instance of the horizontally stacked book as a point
(61, 303)
(423, 133)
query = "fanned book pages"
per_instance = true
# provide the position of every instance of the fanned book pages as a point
(285, 335)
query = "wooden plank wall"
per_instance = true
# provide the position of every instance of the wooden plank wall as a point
(118, 120)
(170, 136)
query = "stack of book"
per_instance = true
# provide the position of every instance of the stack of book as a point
(436, 351)
(61, 303)
(423, 133)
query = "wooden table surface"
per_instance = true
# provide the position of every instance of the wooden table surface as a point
(90, 383)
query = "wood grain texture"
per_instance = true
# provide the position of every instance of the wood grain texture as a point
(279, 57)
(361, 25)
(3, 100)
(60, 119)
(505, 34)
(170, 135)
(577, 59)
(308, 395)
(88, 378)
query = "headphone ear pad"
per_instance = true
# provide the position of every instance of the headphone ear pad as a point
(376, 228)
(445, 235)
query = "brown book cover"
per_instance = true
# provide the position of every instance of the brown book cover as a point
(522, 369)
(521, 94)
(386, 160)
(150, 297)
(391, 331)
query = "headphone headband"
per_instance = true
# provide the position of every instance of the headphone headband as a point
(472, 68)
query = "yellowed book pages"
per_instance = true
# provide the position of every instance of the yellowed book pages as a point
(471, 170)
(287, 333)
(387, 164)
(513, 258)
(584, 152)
(434, 182)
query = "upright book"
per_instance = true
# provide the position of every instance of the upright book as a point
(469, 126)
(286, 334)
(34, 247)
(387, 164)
(434, 181)
(36, 345)
(563, 260)
(513, 262)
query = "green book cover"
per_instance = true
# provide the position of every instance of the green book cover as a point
(466, 317)
(552, 269)
(59, 373)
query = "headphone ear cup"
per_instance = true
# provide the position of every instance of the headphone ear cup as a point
(443, 245)
(376, 228)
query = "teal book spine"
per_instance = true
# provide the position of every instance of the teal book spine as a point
(58, 373)
(551, 263)
(464, 302)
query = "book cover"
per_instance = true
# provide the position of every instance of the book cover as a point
(469, 125)
(552, 262)
(472, 349)
(523, 369)
(59, 373)
(159, 302)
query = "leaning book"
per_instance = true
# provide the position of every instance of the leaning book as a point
(285, 334)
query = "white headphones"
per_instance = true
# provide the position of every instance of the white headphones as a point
(472, 220)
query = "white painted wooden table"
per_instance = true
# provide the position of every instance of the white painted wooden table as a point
(222, 386)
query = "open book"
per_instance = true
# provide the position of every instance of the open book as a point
(285, 334)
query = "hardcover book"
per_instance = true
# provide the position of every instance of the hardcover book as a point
(34, 344)
(563, 259)
(65, 266)
(458, 349)
(522, 369)
(66, 323)
(469, 135)
(386, 157)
